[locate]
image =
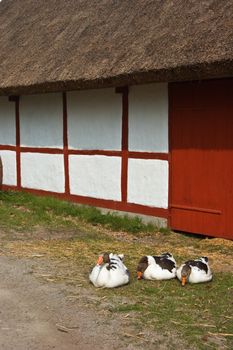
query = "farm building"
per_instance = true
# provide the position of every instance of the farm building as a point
(125, 105)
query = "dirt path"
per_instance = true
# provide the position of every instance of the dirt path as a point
(36, 315)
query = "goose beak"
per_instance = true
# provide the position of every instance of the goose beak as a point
(183, 281)
(139, 274)
(100, 260)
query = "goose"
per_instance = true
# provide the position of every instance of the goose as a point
(161, 267)
(110, 271)
(195, 271)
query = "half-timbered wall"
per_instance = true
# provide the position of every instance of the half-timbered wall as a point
(107, 148)
(94, 123)
(148, 136)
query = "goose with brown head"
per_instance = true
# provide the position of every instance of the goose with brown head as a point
(110, 271)
(195, 271)
(160, 267)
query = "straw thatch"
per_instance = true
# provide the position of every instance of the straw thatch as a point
(52, 45)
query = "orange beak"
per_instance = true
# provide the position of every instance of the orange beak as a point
(183, 281)
(139, 274)
(100, 260)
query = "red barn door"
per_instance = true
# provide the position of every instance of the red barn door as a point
(201, 147)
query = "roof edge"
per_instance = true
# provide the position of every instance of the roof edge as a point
(201, 71)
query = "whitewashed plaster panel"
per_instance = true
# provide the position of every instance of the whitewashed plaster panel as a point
(9, 167)
(94, 119)
(148, 118)
(7, 122)
(41, 120)
(43, 171)
(95, 176)
(148, 182)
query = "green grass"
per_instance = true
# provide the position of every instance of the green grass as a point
(193, 311)
(200, 314)
(25, 211)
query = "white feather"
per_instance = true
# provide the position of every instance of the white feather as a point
(103, 277)
(197, 275)
(155, 272)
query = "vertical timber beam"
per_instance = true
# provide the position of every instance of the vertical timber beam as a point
(65, 144)
(124, 141)
(17, 140)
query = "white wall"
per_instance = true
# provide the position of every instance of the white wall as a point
(148, 182)
(43, 171)
(9, 167)
(95, 176)
(94, 122)
(148, 118)
(41, 120)
(7, 122)
(94, 119)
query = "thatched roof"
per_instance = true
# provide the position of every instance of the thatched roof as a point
(51, 45)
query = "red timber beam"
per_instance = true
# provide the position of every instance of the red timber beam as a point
(17, 140)
(124, 141)
(65, 144)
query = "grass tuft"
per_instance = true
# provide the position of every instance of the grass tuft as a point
(25, 211)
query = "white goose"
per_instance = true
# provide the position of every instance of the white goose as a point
(110, 271)
(195, 271)
(161, 267)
